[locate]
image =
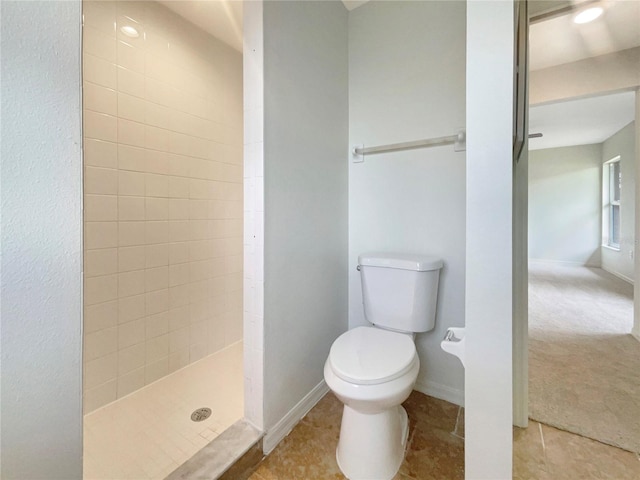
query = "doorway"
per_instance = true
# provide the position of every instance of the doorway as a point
(581, 241)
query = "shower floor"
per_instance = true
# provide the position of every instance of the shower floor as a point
(148, 434)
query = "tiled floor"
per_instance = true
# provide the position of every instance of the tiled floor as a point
(436, 448)
(309, 451)
(545, 453)
(149, 433)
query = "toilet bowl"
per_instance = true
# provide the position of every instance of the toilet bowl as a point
(373, 369)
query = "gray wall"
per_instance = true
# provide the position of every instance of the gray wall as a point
(41, 410)
(621, 262)
(407, 82)
(564, 204)
(305, 170)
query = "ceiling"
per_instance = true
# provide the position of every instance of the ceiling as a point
(220, 18)
(540, 6)
(580, 122)
(552, 42)
(351, 4)
(559, 40)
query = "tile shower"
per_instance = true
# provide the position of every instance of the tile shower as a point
(163, 205)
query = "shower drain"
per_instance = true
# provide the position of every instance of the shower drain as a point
(201, 414)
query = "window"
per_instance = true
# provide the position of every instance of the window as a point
(612, 183)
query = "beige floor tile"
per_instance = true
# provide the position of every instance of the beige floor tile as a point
(308, 452)
(435, 452)
(529, 454)
(570, 456)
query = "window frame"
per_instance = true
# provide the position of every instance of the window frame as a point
(610, 203)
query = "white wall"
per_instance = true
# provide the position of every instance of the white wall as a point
(622, 143)
(305, 194)
(489, 274)
(41, 241)
(407, 82)
(253, 281)
(564, 205)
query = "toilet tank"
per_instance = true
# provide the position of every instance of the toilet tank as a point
(400, 291)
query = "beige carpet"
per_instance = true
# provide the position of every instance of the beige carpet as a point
(584, 366)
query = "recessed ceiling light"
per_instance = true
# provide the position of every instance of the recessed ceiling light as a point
(129, 31)
(588, 15)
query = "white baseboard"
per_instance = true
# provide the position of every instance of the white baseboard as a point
(540, 261)
(281, 429)
(619, 275)
(442, 392)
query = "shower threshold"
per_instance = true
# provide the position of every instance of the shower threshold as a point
(232, 455)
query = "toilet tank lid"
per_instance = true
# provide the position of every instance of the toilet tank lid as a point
(403, 261)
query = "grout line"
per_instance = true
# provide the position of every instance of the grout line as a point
(145, 124)
(159, 380)
(547, 467)
(455, 428)
(585, 437)
(544, 447)
(160, 81)
(541, 436)
(255, 475)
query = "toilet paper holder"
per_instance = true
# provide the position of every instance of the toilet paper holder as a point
(454, 342)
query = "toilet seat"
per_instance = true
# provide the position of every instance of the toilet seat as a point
(369, 356)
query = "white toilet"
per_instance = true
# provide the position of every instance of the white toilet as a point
(373, 369)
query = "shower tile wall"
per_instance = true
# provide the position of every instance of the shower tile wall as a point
(163, 197)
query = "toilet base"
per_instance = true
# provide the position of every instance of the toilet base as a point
(372, 446)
